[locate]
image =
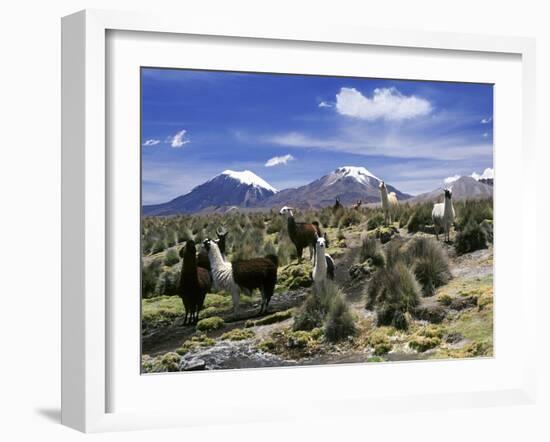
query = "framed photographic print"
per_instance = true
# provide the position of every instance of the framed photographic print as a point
(319, 215)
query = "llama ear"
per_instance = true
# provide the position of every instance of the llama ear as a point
(182, 250)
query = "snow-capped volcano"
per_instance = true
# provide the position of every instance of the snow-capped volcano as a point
(249, 178)
(360, 174)
(229, 188)
(349, 184)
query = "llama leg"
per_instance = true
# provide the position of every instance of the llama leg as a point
(235, 298)
(311, 253)
(299, 253)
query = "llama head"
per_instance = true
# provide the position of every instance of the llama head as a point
(321, 245)
(448, 194)
(210, 244)
(382, 185)
(287, 211)
(221, 232)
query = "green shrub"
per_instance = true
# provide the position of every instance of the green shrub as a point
(149, 277)
(420, 218)
(200, 340)
(487, 226)
(429, 262)
(370, 249)
(472, 237)
(271, 319)
(477, 210)
(423, 343)
(311, 313)
(209, 324)
(393, 252)
(276, 224)
(171, 257)
(375, 221)
(339, 323)
(168, 283)
(285, 249)
(350, 217)
(238, 334)
(394, 293)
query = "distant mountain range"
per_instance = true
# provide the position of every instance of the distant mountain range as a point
(463, 188)
(245, 190)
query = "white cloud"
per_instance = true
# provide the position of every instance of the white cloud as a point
(275, 161)
(451, 179)
(485, 134)
(487, 174)
(386, 103)
(151, 142)
(486, 120)
(178, 140)
(325, 104)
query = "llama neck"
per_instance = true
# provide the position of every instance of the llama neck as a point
(215, 256)
(447, 207)
(384, 195)
(291, 225)
(320, 261)
(189, 268)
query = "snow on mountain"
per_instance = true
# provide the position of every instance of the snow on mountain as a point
(349, 184)
(488, 174)
(360, 174)
(228, 189)
(249, 178)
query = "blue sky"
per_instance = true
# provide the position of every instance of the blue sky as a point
(293, 129)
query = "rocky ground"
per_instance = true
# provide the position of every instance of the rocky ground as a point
(456, 322)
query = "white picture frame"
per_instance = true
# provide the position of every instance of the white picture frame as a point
(86, 210)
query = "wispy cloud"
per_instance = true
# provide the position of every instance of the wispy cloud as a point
(390, 145)
(485, 134)
(325, 104)
(276, 161)
(486, 120)
(178, 140)
(151, 142)
(386, 103)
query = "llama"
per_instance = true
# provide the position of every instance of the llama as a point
(245, 275)
(323, 266)
(389, 202)
(443, 215)
(194, 283)
(357, 205)
(301, 234)
(202, 260)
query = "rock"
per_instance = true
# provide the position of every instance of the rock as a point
(193, 365)
(231, 354)
(462, 303)
(360, 270)
(384, 234)
(431, 313)
(453, 338)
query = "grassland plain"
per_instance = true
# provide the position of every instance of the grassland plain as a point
(451, 319)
